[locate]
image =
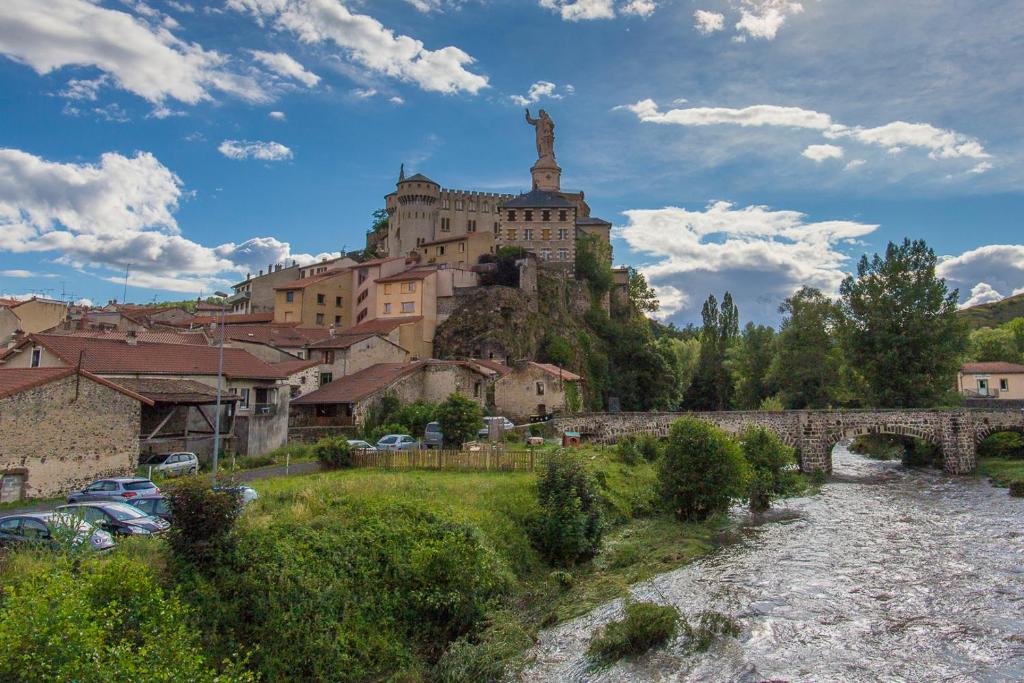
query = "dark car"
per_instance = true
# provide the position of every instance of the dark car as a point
(116, 488)
(120, 519)
(154, 506)
(51, 529)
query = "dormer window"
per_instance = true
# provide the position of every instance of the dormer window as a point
(37, 357)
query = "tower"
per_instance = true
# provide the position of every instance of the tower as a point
(414, 220)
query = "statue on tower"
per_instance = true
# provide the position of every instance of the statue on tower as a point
(545, 129)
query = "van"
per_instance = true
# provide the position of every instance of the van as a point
(432, 436)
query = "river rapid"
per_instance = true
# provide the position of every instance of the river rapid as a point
(888, 574)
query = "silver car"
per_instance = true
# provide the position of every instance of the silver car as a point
(173, 464)
(361, 446)
(54, 529)
(396, 442)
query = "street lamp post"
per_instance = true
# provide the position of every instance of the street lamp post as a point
(220, 375)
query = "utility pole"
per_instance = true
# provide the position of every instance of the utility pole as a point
(220, 374)
(124, 296)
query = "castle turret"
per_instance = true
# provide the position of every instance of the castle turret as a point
(414, 220)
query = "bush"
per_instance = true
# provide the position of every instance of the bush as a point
(650, 446)
(203, 520)
(771, 404)
(710, 627)
(644, 625)
(767, 457)
(569, 527)
(489, 658)
(1002, 445)
(460, 419)
(333, 452)
(628, 451)
(702, 470)
(415, 416)
(1017, 488)
(102, 620)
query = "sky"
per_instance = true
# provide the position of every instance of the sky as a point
(751, 146)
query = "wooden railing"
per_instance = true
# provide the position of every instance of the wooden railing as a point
(485, 461)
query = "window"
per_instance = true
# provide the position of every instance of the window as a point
(471, 226)
(1004, 385)
(446, 225)
(511, 214)
(289, 297)
(545, 233)
(563, 215)
(408, 307)
(440, 251)
(387, 290)
(485, 207)
(337, 320)
(545, 254)
(387, 308)
(527, 215)
(510, 233)
(458, 205)
(326, 378)
(527, 233)
(477, 387)
(545, 215)
(472, 206)
(320, 319)
(563, 233)
(337, 301)
(363, 274)
(540, 388)
(329, 356)
(321, 299)
(563, 254)
(447, 204)
(37, 355)
(462, 247)
(495, 227)
(365, 293)
(361, 315)
(244, 403)
(410, 286)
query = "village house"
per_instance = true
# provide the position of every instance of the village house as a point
(991, 380)
(527, 390)
(31, 315)
(256, 293)
(346, 354)
(61, 428)
(463, 251)
(322, 300)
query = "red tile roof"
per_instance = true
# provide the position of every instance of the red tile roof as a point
(418, 274)
(378, 261)
(313, 279)
(229, 319)
(354, 388)
(561, 373)
(184, 391)
(343, 341)
(16, 380)
(194, 338)
(990, 367)
(291, 367)
(287, 335)
(379, 325)
(108, 357)
(494, 365)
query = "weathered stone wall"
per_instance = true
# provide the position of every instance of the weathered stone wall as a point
(516, 397)
(62, 442)
(815, 433)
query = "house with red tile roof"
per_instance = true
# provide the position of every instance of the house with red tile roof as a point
(28, 316)
(528, 390)
(991, 380)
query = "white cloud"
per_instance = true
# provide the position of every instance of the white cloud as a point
(146, 60)
(820, 153)
(254, 149)
(24, 274)
(759, 254)
(942, 144)
(855, 163)
(763, 18)
(581, 10)
(277, 115)
(364, 93)
(639, 8)
(396, 100)
(541, 90)
(671, 300)
(757, 115)
(100, 217)
(708, 22)
(999, 267)
(368, 43)
(84, 88)
(981, 293)
(285, 65)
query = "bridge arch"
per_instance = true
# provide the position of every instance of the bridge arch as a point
(886, 427)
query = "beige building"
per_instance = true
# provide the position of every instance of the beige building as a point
(61, 429)
(347, 354)
(1004, 381)
(462, 251)
(322, 300)
(364, 285)
(32, 315)
(543, 223)
(529, 390)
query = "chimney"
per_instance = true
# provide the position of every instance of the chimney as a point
(278, 267)
(261, 272)
(248, 276)
(132, 338)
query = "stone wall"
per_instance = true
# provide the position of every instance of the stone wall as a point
(62, 442)
(516, 397)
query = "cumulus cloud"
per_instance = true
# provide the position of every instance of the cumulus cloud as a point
(708, 22)
(541, 90)
(277, 115)
(981, 293)
(820, 153)
(986, 272)
(364, 93)
(144, 59)
(759, 254)
(17, 272)
(254, 149)
(368, 42)
(763, 18)
(588, 10)
(895, 137)
(853, 164)
(285, 65)
(103, 216)
(639, 8)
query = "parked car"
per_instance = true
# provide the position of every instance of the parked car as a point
(396, 442)
(51, 529)
(246, 494)
(485, 430)
(173, 464)
(118, 488)
(433, 437)
(120, 519)
(360, 445)
(154, 506)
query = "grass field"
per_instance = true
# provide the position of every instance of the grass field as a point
(1001, 471)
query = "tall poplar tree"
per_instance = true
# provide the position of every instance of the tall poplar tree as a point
(712, 388)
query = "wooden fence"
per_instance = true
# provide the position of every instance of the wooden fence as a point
(498, 461)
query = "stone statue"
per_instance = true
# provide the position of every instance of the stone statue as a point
(545, 134)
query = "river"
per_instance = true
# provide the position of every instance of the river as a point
(888, 574)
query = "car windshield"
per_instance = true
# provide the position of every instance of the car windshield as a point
(155, 459)
(138, 485)
(433, 427)
(389, 439)
(123, 511)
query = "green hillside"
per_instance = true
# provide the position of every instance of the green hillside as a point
(995, 313)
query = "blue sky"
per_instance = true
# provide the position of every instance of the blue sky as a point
(749, 145)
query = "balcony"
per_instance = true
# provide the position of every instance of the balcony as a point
(264, 409)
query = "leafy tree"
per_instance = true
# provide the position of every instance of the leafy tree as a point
(902, 331)
(711, 388)
(994, 344)
(641, 294)
(702, 470)
(767, 457)
(682, 356)
(460, 419)
(506, 272)
(805, 369)
(594, 263)
(569, 527)
(203, 520)
(416, 415)
(749, 361)
(558, 351)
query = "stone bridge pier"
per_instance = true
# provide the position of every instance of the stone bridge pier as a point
(814, 433)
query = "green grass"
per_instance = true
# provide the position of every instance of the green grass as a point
(1001, 471)
(645, 625)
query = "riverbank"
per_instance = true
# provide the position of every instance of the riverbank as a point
(1001, 471)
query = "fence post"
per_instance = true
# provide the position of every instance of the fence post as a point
(287, 462)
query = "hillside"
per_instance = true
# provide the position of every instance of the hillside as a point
(995, 313)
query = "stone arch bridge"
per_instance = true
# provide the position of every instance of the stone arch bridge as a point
(957, 432)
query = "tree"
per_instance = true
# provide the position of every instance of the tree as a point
(767, 457)
(203, 520)
(641, 294)
(902, 330)
(711, 388)
(749, 362)
(805, 369)
(569, 527)
(558, 351)
(702, 470)
(460, 419)
(506, 272)
(594, 263)
(994, 344)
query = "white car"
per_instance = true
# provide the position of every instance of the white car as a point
(360, 445)
(396, 442)
(173, 464)
(506, 425)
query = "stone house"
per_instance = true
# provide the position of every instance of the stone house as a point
(322, 300)
(345, 401)
(528, 389)
(61, 428)
(993, 380)
(346, 354)
(462, 251)
(260, 419)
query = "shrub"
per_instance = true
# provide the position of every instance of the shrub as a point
(650, 446)
(569, 527)
(1017, 488)
(628, 450)
(415, 416)
(489, 658)
(203, 520)
(460, 419)
(702, 470)
(388, 428)
(767, 457)
(644, 625)
(710, 627)
(536, 430)
(102, 620)
(771, 404)
(1002, 445)
(333, 452)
